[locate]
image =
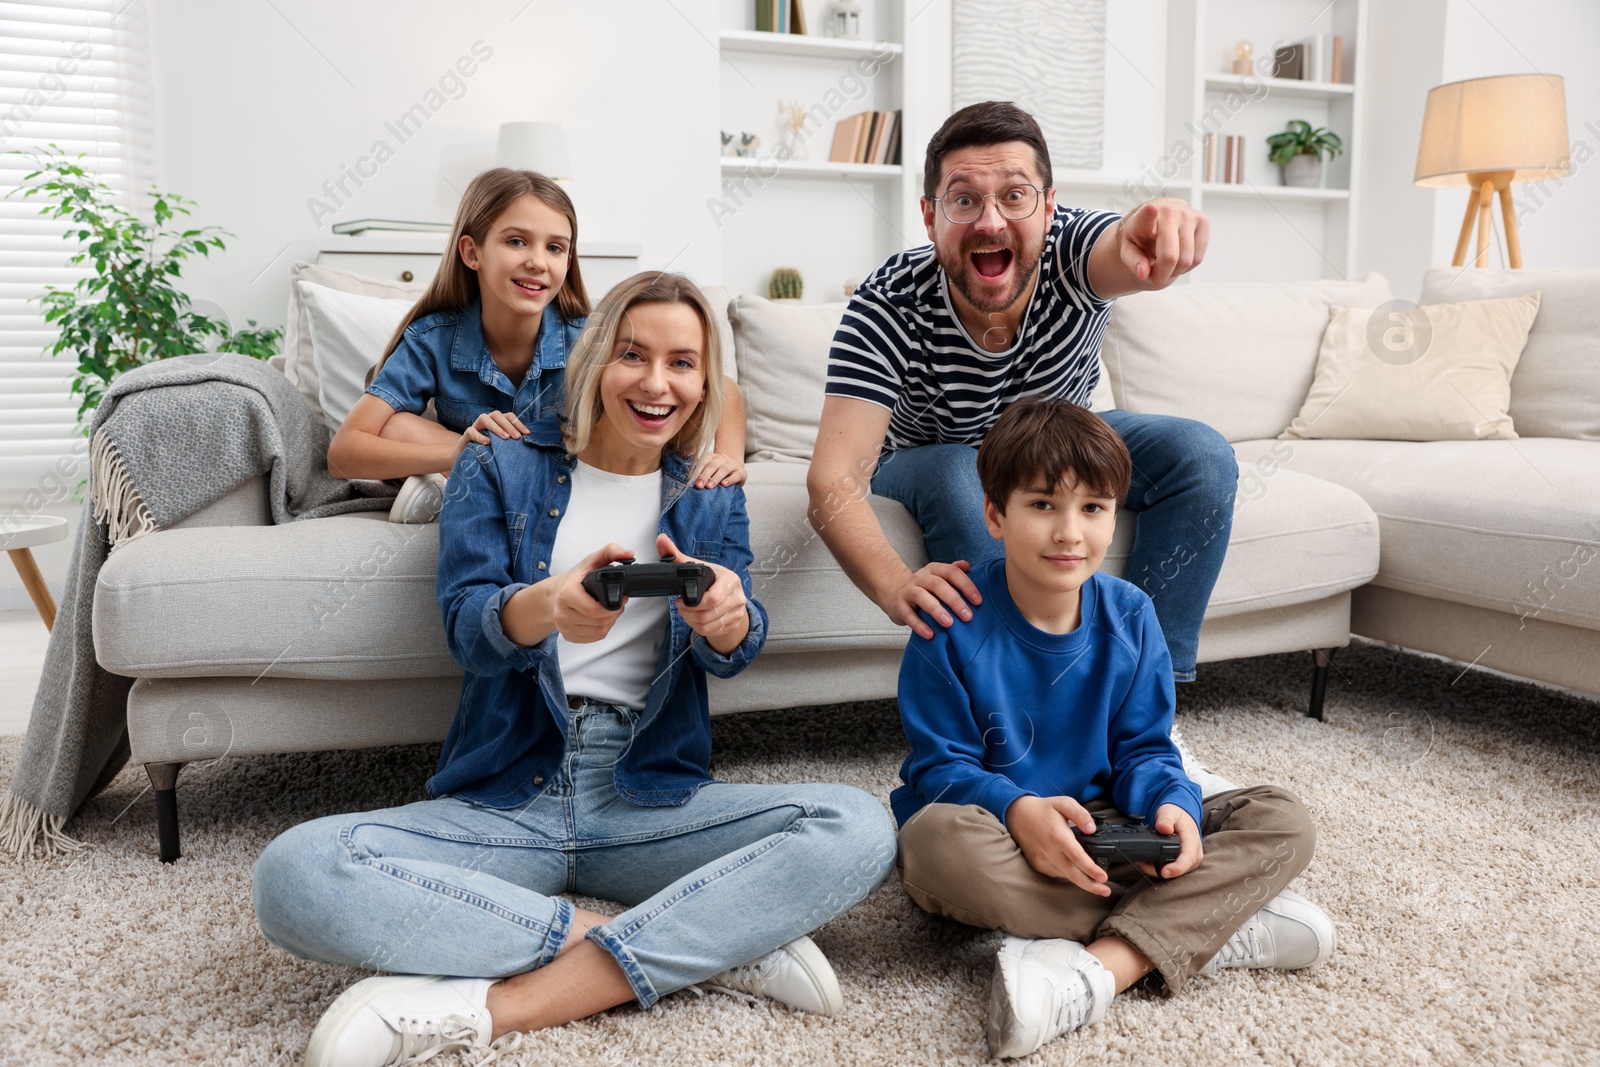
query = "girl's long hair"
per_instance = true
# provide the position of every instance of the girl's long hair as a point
(592, 354)
(455, 285)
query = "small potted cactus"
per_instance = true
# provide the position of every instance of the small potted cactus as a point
(785, 285)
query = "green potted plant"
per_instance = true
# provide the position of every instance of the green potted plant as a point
(785, 284)
(1300, 149)
(129, 311)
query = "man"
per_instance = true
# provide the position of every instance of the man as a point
(1011, 300)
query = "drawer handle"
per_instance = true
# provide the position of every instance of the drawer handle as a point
(406, 276)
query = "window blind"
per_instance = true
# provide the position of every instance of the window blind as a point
(74, 73)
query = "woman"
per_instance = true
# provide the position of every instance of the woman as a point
(577, 761)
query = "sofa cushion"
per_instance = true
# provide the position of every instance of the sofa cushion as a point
(1508, 525)
(1556, 389)
(1238, 357)
(347, 597)
(1454, 384)
(810, 603)
(298, 365)
(782, 355)
(1295, 539)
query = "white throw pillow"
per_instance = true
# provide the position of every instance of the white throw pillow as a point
(782, 356)
(1556, 390)
(1440, 373)
(298, 365)
(1238, 357)
(348, 335)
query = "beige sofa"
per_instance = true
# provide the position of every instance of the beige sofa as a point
(248, 638)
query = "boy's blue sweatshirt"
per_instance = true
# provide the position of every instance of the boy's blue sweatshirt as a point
(996, 708)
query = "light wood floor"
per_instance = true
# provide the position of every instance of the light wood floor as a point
(22, 644)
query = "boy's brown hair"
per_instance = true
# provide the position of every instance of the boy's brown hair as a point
(1039, 443)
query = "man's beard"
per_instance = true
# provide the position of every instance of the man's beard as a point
(961, 271)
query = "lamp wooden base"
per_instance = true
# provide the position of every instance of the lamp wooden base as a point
(1480, 202)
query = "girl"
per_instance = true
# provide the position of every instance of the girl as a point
(577, 761)
(486, 343)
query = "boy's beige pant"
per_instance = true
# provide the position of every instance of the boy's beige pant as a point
(959, 861)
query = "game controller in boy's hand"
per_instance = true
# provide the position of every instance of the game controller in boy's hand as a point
(625, 578)
(1124, 838)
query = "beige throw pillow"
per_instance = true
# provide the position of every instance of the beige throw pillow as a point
(1439, 372)
(299, 362)
(783, 370)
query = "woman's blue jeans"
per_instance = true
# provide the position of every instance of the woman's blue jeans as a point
(451, 887)
(1184, 480)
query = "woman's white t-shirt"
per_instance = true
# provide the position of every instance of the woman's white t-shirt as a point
(626, 509)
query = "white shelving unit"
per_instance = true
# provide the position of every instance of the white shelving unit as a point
(1261, 230)
(851, 216)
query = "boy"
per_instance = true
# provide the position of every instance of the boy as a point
(1056, 702)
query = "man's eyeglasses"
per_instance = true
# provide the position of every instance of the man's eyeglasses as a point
(964, 206)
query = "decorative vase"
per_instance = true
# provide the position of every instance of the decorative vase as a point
(847, 20)
(1304, 171)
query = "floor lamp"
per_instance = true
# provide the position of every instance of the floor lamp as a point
(1486, 133)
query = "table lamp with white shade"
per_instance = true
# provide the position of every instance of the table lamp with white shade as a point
(538, 146)
(1486, 133)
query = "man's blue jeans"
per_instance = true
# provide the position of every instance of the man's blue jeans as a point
(1184, 479)
(452, 887)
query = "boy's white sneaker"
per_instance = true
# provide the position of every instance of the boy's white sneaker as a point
(1043, 988)
(1289, 933)
(420, 499)
(796, 974)
(395, 1019)
(1210, 783)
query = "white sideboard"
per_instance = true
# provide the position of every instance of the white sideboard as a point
(415, 256)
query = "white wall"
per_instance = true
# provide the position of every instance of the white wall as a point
(255, 110)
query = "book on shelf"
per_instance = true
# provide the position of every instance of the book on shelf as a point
(1211, 157)
(1287, 61)
(1319, 58)
(355, 226)
(780, 16)
(869, 137)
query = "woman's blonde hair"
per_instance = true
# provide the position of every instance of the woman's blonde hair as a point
(455, 285)
(592, 354)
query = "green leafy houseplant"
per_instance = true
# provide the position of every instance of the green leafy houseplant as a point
(1302, 139)
(129, 312)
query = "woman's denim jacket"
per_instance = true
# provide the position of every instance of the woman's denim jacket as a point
(503, 503)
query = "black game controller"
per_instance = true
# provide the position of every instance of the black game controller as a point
(1133, 840)
(609, 584)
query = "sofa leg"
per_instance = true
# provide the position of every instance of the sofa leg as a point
(164, 780)
(1321, 659)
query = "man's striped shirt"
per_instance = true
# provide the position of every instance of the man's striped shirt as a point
(900, 344)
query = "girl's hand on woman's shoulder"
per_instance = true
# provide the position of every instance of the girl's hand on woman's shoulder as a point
(717, 469)
(502, 424)
(722, 617)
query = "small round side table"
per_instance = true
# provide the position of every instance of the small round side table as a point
(18, 540)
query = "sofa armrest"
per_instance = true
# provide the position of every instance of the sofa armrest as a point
(243, 505)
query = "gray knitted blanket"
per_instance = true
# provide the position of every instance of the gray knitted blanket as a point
(168, 439)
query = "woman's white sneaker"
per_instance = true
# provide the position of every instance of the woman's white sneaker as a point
(420, 499)
(1289, 933)
(1043, 987)
(395, 1019)
(796, 974)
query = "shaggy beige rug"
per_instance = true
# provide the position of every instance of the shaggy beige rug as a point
(1457, 820)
